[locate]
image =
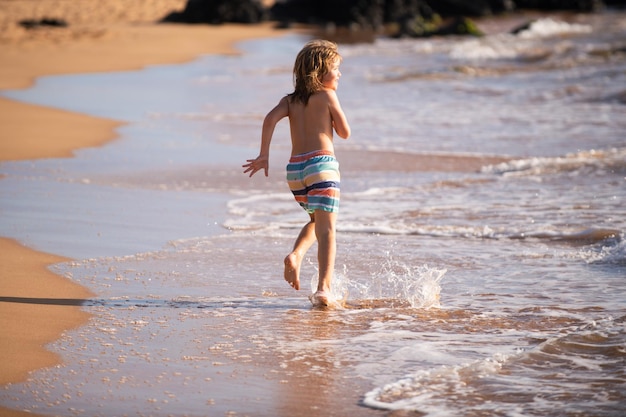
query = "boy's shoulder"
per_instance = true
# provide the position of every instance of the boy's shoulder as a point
(328, 92)
(325, 94)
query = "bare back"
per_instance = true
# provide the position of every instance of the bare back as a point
(312, 125)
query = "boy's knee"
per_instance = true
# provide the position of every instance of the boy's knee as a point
(324, 230)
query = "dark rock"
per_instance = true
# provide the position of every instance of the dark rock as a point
(32, 23)
(577, 5)
(438, 27)
(459, 26)
(367, 13)
(409, 17)
(219, 11)
(400, 10)
(399, 17)
(461, 7)
(375, 12)
(521, 28)
(502, 6)
(301, 11)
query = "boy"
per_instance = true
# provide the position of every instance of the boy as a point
(314, 112)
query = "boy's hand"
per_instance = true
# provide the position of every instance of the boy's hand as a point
(254, 165)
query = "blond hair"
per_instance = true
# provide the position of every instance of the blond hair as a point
(313, 62)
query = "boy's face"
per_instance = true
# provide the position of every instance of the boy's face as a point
(331, 78)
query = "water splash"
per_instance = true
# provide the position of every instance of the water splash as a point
(417, 285)
(339, 290)
(395, 283)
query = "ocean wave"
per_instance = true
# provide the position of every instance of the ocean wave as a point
(543, 42)
(613, 253)
(423, 391)
(274, 214)
(497, 47)
(574, 361)
(589, 161)
(584, 237)
(547, 27)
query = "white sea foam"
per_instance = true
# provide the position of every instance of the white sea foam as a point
(573, 357)
(261, 211)
(478, 49)
(599, 159)
(426, 389)
(613, 254)
(523, 45)
(542, 28)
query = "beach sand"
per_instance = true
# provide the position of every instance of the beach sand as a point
(37, 306)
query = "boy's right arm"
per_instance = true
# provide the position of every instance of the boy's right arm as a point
(280, 111)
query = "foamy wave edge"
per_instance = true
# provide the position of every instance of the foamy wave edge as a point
(442, 379)
(608, 159)
(546, 27)
(423, 390)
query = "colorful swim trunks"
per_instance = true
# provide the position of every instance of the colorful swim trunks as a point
(313, 179)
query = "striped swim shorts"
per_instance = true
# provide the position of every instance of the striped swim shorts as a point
(313, 179)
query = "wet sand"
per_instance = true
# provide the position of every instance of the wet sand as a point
(36, 305)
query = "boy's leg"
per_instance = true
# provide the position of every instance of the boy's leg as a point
(305, 239)
(327, 247)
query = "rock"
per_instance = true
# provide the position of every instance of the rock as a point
(397, 18)
(438, 27)
(32, 23)
(219, 11)
(367, 13)
(461, 7)
(406, 17)
(376, 12)
(459, 26)
(577, 5)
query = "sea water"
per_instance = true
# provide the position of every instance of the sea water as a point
(481, 264)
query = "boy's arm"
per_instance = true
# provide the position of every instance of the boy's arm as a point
(280, 111)
(340, 122)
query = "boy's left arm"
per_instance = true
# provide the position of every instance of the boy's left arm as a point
(340, 122)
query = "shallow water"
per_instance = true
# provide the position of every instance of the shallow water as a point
(481, 255)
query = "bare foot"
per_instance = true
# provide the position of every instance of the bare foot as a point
(321, 298)
(292, 270)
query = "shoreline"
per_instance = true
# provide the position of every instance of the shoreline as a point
(36, 308)
(37, 305)
(127, 48)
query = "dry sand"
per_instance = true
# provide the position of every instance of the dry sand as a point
(36, 306)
